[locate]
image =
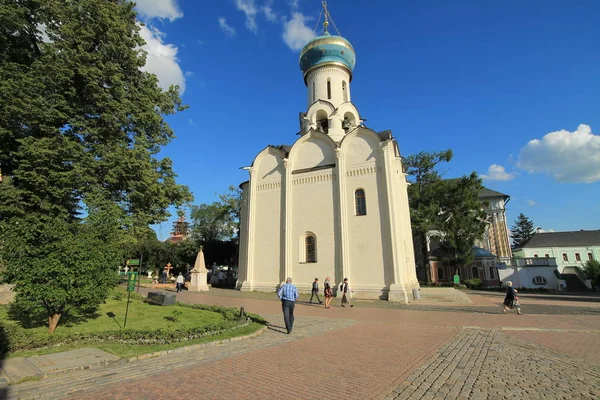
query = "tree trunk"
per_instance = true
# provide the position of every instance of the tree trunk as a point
(53, 322)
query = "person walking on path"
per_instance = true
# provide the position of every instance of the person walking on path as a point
(315, 291)
(346, 293)
(180, 282)
(288, 294)
(511, 300)
(328, 292)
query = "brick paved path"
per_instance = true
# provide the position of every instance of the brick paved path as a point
(361, 353)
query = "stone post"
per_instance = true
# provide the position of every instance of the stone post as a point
(199, 274)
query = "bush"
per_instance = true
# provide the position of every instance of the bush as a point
(16, 338)
(474, 283)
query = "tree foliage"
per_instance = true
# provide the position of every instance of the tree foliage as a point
(451, 206)
(464, 219)
(80, 126)
(592, 271)
(218, 221)
(522, 230)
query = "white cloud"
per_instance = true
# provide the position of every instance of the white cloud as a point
(226, 28)
(164, 9)
(293, 4)
(569, 157)
(161, 59)
(497, 173)
(540, 230)
(268, 12)
(249, 9)
(191, 122)
(531, 202)
(295, 32)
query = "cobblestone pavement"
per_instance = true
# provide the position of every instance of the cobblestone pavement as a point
(486, 364)
(362, 353)
(542, 309)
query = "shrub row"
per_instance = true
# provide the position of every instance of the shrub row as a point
(17, 338)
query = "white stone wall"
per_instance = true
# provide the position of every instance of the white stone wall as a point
(336, 76)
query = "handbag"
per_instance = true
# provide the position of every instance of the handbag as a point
(515, 303)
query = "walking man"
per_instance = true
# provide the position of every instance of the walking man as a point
(346, 293)
(288, 294)
(315, 291)
(180, 282)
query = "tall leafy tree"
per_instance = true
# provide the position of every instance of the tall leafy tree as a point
(81, 126)
(218, 221)
(463, 219)
(522, 230)
(425, 196)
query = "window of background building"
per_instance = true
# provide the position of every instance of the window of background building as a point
(577, 257)
(535, 255)
(565, 257)
(547, 255)
(539, 280)
(590, 256)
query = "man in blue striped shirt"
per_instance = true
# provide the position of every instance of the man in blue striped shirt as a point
(288, 294)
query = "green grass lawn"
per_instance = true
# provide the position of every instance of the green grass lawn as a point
(141, 316)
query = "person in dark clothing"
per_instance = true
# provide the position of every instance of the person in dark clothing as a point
(511, 300)
(346, 293)
(315, 291)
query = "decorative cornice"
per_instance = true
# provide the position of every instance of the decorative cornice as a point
(368, 168)
(314, 177)
(270, 184)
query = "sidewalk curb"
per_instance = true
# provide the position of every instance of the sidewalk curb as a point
(5, 381)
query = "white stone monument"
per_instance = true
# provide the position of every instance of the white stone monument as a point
(199, 273)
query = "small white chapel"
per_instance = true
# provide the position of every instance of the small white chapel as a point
(334, 204)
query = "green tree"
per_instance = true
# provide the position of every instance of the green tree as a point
(522, 230)
(218, 221)
(425, 196)
(464, 219)
(81, 126)
(592, 271)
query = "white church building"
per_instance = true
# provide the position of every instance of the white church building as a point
(334, 204)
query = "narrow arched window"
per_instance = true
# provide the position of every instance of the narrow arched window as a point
(475, 272)
(314, 94)
(360, 202)
(344, 91)
(310, 247)
(328, 88)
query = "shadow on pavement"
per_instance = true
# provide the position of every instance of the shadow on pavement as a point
(579, 297)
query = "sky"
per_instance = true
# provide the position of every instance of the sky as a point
(511, 87)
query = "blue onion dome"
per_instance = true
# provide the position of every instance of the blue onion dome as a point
(327, 49)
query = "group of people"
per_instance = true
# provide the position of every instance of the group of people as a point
(288, 294)
(344, 290)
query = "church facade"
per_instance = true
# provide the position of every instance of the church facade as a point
(334, 204)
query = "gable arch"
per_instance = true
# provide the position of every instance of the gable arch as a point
(312, 150)
(360, 146)
(319, 105)
(268, 163)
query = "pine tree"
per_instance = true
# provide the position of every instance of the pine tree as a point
(522, 230)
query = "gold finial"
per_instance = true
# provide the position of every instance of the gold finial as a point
(326, 23)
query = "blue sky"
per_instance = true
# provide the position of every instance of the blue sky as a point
(511, 87)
